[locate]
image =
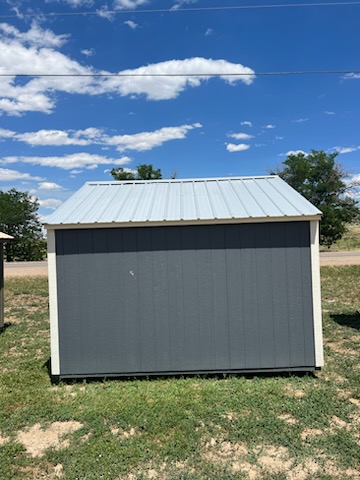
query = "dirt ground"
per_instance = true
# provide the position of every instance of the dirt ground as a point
(328, 259)
(25, 269)
(26, 272)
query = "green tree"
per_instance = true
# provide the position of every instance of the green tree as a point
(143, 172)
(320, 179)
(18, 218)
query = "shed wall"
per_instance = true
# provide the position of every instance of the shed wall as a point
(185, 299)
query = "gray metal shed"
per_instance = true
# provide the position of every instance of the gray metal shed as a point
(184, 276)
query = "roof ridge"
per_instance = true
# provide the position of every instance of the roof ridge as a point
(179, 180)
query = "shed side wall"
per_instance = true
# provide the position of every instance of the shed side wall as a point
(185, 299)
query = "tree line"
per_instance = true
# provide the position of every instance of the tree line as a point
(317, 176)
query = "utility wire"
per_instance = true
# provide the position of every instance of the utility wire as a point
(177, 10)
(229, 74)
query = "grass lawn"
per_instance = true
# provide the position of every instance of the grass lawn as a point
(288, 427)
(350, 241)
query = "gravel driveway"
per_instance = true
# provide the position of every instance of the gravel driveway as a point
(25, 269)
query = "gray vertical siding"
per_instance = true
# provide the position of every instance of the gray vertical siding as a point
(185, 299)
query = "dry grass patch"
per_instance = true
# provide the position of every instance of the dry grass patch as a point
(124, 434)
(304, 471)
(163, 471)
(85, 438)
(294, 392)
(58, 471)
(37, 472)
(234, 455)
(309, 468)
(343, 393)
(231, 416)
(3, 440)
(337, 423)
(309, 433)
(287, 418)
(37, 439)
(274, 459)
(339, 347)
(270, 459)
(14, 352)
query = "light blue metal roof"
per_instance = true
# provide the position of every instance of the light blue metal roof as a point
(182, 200)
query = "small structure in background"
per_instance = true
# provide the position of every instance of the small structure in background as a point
(184, 276)
(3, 238)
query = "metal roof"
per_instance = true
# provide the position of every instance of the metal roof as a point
(5, 236)
(182, 200)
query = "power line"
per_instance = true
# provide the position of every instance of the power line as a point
(229, 74)
(178, 10)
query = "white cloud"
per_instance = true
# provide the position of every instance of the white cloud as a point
(300, 120)
(49, 186)
(104, 12)
(35, 37)
(240, 136)
(278, 137)
(128, 4)
(269, 126)
(35, 94)
(76, 172)
(166, 88)
(88, 52)
(246, 123)
(241, 147)
(36, 51)
(51, 137)
(353, 179)
(351, 76)
(139, 141)
(295, 152)
(143, 141)
(329, 113)
(50, 203)
(342, 150)
(75, 3)
(7, 175)
(131, 24)
(6, 133)
(180, 3)
(353, 183)
(208, 32)
(67, 162)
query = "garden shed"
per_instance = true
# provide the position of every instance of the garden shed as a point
(184, 276)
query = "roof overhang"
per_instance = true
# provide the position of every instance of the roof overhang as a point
(4, 237)
(162, 223)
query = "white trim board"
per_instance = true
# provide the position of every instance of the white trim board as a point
(316, 291)
(216, 221)
(53, 303)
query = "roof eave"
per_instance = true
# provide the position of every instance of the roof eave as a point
(215, 221)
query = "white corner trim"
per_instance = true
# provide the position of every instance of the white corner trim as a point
(316, 290)
(53, 304)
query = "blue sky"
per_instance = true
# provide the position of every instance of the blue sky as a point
(57, 133)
